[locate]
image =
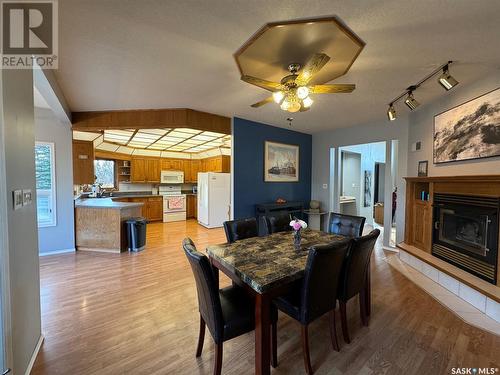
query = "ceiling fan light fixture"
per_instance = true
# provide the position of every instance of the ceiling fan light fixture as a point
(294, 107)
(446, 80)
(302, 92)
(278, 96)
(411, 102)
(307, 102)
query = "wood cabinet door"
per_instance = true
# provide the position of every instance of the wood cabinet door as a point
(195, 168)
(153, 170)
(83, 162)
(155, 209)
(195, 204)
(138, 170)
(421, 225)
(177, 165)
(145, 206)
(186, 167)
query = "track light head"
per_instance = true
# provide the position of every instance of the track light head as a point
(446, 80)
(391, 113)
(411, 102)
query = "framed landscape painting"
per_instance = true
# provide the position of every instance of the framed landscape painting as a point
(281, 162)
(468, 131)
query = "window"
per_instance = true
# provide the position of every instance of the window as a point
(45, 184)
(105, 173)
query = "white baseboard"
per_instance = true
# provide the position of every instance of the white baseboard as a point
(33, 356)
(62, 251)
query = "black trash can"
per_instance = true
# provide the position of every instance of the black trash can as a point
(136, 233)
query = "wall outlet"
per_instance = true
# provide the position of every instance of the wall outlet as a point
(325, 186)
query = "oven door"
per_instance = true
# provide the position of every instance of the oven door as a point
(174, 203)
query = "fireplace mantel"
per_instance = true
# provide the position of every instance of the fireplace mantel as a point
(419, 221)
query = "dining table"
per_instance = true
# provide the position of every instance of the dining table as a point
(267, 267)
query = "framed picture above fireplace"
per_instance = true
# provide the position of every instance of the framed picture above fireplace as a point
(468, 131)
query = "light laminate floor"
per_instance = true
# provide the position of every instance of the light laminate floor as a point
(137, 314)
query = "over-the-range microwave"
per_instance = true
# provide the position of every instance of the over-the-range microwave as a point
(172, 177)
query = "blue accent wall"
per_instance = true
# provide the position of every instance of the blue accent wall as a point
(248, 155)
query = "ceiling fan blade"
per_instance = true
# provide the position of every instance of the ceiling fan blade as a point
(332, 89)
(262, 83)
(312, 67)
(262, 102)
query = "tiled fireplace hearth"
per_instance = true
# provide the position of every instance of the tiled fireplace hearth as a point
(452, 236)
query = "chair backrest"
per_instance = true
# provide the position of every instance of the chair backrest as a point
(278, 222)
(356, 265)
(208, 293)
(321, 279)
(240, 229)
(346, 225)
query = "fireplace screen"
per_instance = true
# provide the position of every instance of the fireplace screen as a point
(466, 232)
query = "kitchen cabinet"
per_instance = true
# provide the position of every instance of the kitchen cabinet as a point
(155, 209)
(145, 170)
(172, 164)
(153, 170)
(138, 170)
(83, 162)
(152, 208)
(192, 206)
(221, 164)
(195, 168)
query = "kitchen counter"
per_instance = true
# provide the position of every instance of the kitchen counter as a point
(100, 224)
(109, 203)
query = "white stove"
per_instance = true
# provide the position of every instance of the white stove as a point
(174, 203)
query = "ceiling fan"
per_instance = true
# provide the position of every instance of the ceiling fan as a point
(292, 92)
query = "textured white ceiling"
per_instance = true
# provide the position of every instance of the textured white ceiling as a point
(124, 54)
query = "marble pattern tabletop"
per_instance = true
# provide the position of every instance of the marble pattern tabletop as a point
(268, 262)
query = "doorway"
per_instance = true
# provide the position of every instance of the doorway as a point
(350, 192)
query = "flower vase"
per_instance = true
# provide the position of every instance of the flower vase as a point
(297, 238)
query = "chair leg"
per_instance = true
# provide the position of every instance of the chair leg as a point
(333, 332)
(218, 359)
(274, 344)
(201, 337)
(343, 320)
(362, 307)
(368, 296)
(305, 349)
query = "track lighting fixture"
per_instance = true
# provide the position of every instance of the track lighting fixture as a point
(446, 80)
(411, 102)
(391, 113)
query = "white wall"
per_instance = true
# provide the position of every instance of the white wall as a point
(24, 278)
(48, 128)
(421, 129)
(323, 174)
(370, 153)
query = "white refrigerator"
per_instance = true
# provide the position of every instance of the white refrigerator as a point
(214, 197)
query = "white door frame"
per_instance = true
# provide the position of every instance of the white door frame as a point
(5, 321)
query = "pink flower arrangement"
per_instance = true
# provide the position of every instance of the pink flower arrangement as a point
(298, 224)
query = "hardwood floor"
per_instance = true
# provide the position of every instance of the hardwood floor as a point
(137, 314)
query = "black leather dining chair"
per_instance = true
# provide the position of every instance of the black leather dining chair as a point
(354, 279)
(228, 312)
(240, 229)
(346, 225)
(317, 294)
(278, 222)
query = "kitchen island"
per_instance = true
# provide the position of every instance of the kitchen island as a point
(100, 224)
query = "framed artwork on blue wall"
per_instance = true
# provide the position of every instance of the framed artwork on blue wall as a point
(281, 162)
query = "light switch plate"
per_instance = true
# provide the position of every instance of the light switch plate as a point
(27, 198)
(325, 186)
(17, 199)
